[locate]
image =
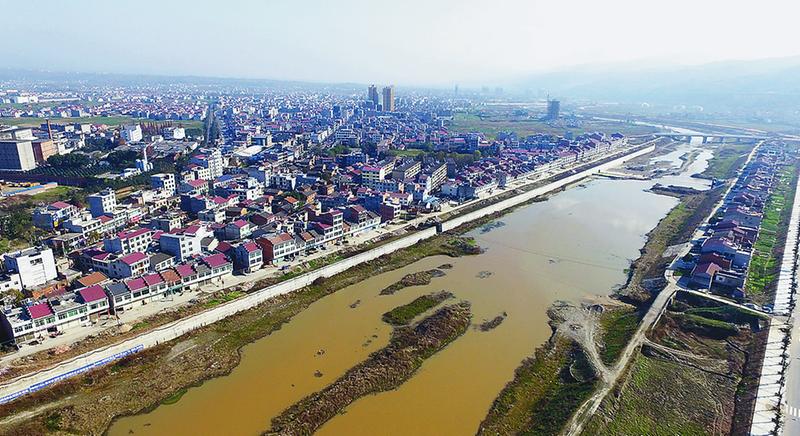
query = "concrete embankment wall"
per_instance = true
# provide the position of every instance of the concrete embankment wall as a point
(34, 381)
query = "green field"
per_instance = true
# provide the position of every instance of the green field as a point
(490, 123)
(110, 121)
(618, 325)
(726, 157)
(409, 152)
(54, 194)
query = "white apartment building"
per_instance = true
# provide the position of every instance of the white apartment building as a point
(103, 202)
(173, 132)
(211, 159)
(35, 266)
(131, 133)
(127, 242)
(184, 244)
(164, 183)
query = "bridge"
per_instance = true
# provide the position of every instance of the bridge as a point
(714, 137)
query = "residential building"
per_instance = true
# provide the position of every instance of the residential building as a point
(161, 261)
(372, 96)
(278, 247)
(407, 170)
(10, 281)
(35, 266)
(212, 160)
(51, 217)
(127, 242)
(102, 203)
(247, 257)
(173, 133)
(238, 229)
(164, 183)
(130, 265)
(131, 133)
(184, 243)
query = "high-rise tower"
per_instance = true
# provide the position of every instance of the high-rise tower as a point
(388, 98)
(372, 95)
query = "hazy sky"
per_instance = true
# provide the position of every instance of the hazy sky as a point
(437, 42)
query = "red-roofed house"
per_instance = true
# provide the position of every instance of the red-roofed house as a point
(238, 229)
(40, 311)
(703, 274)
(247, 257)
(193, 187)
(131, 265)
(129, 241)
(136, 284)
(94, 278)
(171, 277)
(95, 299)
(51, 217)
(218, 263)
(277, 247)
(186, 272)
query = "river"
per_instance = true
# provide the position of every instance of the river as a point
(575, 246)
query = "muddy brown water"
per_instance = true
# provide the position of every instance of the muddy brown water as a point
(576, 245)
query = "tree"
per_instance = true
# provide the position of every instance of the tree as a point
(71, 160)
(122, 159)
(16, 294)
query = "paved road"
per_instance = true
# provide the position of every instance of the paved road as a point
(587, 409)
(792, 387)
(724, 301)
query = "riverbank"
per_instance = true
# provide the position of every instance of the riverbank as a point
(546, 389)
(696, 364)
(518, 408)
(141, 382)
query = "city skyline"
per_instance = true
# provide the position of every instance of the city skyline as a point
(508, 41)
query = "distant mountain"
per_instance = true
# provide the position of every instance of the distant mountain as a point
(56, 79)
(770, 83)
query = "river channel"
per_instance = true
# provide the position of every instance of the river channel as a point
(577, 245)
